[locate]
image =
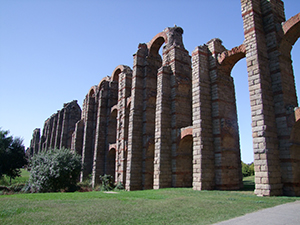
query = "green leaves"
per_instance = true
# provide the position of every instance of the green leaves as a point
(12, 155)
(54, 170)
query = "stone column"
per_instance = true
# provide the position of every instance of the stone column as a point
(122, 124)
(135, 134)
(89, 135)
(163, 137)
(264, 130)
(203, 148)
(100, 138)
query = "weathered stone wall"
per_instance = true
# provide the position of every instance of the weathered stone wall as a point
(58, 129)
(171, 120)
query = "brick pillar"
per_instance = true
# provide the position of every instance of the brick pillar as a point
(122, 124)
(101, 133)
(228, 174)
(77, 139)
(163, 137)
(264, 132)
(203, 153)
(89, 135)
(53, 133)
(72, 114)
(49, 132)
(60, 119)
(135, 136)
(34, 143)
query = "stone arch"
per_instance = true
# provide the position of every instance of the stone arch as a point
(102, 82)
(115, 74)
(156, 42)
(228, 59)
(291, 30)
(92, 91)
(184, 161)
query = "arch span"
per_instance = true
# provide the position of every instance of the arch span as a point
(156, 42)
(92, 91)
(115, 74)
(228, 59)
(291, 30)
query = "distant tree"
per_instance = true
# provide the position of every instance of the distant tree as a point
(54, 170)
(12, 155)
(247, 169)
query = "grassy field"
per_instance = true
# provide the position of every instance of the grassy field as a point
(164, 206)
(5, 181)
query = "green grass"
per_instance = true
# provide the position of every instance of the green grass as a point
(5, 180)
(164, 206)
(249, 183)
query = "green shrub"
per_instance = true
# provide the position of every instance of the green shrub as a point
(247, 169)
(54, 170)
(107, 182)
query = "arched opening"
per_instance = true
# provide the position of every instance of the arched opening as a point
(184, 162)
(149, 167)
(289, 54)
(111, 162)
(239, 73)
(112, 127)
(228, 156)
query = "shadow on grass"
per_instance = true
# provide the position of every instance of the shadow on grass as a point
(249, 184)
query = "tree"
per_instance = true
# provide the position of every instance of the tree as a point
(247, 169)
(12, 155)
(54, 170)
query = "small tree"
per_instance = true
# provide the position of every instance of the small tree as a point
(247, 169)
(54, 170)
(12, 155)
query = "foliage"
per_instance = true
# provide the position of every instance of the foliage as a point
(247, 169)
(107, 182)
(54, 170)
(12, 155)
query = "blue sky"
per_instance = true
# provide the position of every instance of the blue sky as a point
(52, 52)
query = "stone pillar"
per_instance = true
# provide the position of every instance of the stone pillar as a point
(77, 137)
(163, 136)
(89, 135)
(228, 174)
(60, 119)
(54, 130)
(122, 124)
(135, 134)
(203, 148)
(101, 133)
(72, 114)
(264, 129)
(34, 143)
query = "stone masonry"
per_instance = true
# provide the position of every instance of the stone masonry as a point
(171, 120)
(58, 129)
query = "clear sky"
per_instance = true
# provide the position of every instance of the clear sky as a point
(53, 51)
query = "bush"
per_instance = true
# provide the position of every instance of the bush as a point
(107, 182)
(54, 170)
(247, 169)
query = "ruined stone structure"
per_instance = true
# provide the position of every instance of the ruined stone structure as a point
(171, 121)
(58, 129)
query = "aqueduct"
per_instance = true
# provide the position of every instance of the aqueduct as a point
(171, 120)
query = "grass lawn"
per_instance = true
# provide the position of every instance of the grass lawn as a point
(164, 206)
(5, 180)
